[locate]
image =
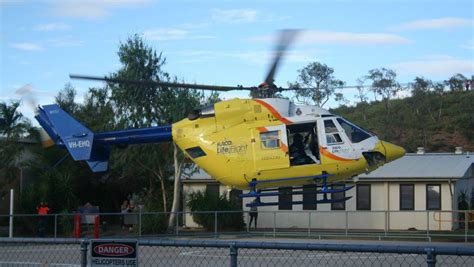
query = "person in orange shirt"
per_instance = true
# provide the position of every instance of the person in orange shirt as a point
(42, 210)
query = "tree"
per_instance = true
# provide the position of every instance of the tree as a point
(13, 123)
(456, 82)
(13, 126)
(384, 83)
(65, 99)
(145, 106)
(317, 84)
(420, 102)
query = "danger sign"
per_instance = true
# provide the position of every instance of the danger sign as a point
(114, 253)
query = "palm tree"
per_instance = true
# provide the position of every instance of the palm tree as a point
(12, 126)
(12, 122)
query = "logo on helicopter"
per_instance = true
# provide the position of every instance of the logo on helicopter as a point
(227, 147)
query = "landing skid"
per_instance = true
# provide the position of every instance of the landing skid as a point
(323, 188)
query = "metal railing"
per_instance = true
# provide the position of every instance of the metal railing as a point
(165, 252)
(427, 225)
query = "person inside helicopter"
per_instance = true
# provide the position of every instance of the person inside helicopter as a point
(298, 154)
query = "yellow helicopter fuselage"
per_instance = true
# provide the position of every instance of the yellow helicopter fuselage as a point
(241, 140)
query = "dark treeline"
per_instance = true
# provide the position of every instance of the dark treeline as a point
(437, 121)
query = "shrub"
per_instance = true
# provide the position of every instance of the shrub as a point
(206, 201)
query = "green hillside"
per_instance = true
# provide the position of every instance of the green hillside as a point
(438, 122)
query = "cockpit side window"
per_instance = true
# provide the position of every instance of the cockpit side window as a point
(332, 134)
(270, 139)
(353, 132)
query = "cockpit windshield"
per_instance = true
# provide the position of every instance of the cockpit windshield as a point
(354, 132)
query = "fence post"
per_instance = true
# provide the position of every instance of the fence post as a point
(309, 223)
(386, 222)
(466, 226)
(55, 225)
(430, 257)
(274, 223)
(233, 255)
(140, 221)
(215, 223)
(176, 219)
(84, 244)
(347, 221)
(10, 229)
(428, 225)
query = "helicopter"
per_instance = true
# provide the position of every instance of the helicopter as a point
(251, 144)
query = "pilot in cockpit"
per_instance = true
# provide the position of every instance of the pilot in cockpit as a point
(298, 154)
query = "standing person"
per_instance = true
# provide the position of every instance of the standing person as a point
(253, 215)
(43, 211)
(124, 210)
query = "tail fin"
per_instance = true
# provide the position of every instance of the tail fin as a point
(66, 131)
(83, 144)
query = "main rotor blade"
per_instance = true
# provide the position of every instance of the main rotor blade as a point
(286, 38)
(164, 84)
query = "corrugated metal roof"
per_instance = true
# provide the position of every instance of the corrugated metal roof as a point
(432, 165)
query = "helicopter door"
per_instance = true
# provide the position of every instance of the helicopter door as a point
(304, 145)
(270, 147)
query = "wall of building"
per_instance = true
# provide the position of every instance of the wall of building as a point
(384, 214)
(385, 211)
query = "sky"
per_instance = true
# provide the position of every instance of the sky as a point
(231, 42)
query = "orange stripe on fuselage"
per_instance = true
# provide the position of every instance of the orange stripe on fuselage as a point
(332, 156)
(262, 129)
(273, 111)
(284, 147)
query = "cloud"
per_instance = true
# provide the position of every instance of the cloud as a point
(27, 46)
(65, 41)
(469, 45)
(436, 65)
(51, 27)
(255, 57)
(92, 9)
(334, 37)
(234, 15)
(429, 24)
(170, 34)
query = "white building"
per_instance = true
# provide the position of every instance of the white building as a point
(414, 192)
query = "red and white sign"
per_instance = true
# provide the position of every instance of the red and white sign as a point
(106, 253)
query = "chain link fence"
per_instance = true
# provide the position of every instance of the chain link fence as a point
(413, 225)
(163, 252)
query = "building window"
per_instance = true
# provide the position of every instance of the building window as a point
(363, 197)
(309, 195)
(213, 189)
(338, 205)
(285, 198)
(407, 197)
(433, 197)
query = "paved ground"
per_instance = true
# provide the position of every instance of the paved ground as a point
(69, 255)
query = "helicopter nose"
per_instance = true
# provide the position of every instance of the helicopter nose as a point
(392, 152)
